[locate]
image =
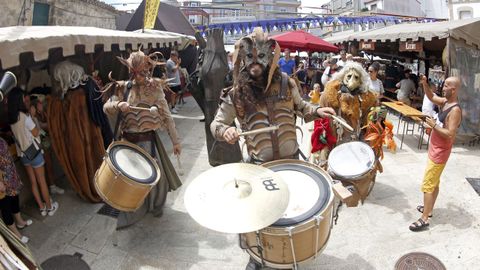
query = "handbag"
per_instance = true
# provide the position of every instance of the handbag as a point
(31, 152)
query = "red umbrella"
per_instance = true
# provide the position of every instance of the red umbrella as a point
(303, 41)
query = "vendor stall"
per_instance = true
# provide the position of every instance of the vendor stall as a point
(78, 128)
(456, 44)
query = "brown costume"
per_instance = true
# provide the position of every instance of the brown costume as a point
(348, 95)
(271, 101)
(139, 127)
(76, 140)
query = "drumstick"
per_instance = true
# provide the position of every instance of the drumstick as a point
(342, 122)
(180, 168)
(155, 110)
(256, 131)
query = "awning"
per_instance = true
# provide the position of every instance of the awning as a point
(468, 30)
(186, 40)
(40, 39)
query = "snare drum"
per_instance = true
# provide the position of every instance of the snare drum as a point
(353, 163)
(126, 176)
(303, 231)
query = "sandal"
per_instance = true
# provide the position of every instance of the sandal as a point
(420, 209)
(418, 225)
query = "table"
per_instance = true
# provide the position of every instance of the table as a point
(405, 111)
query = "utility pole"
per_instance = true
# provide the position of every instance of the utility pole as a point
(450, 9)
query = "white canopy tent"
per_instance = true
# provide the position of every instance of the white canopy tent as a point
(39, 40)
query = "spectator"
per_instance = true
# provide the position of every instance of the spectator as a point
(315, 94)
(406, 86)
(329, 71)
(286, 63)
(26, 136)
(173, 73)
(343, 59)
(375, 85)
(10, 186)
(39, 116)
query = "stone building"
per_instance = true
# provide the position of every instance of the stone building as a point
(58, 12)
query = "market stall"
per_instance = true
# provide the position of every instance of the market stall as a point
(77, 126)
(455, 45)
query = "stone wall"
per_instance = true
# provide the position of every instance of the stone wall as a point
(62, 12)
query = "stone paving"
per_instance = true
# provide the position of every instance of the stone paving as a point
(372, 236)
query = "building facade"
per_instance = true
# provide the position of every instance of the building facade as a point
(224, 11)
(58, 12)
(194, 13)
(464, 9)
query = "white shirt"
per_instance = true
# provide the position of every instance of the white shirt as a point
(22, 130)
(428, 108)
(406, 87)
(341, 63)
(376, 86)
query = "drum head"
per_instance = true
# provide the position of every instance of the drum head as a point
(351, 160)
(309, 190)
(133, 164)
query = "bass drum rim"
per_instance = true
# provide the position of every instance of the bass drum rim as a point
(338, 148)
(311, 170)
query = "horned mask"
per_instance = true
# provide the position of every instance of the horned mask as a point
(140, 64)
(255, 51)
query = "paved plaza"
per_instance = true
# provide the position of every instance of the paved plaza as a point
(372, 236)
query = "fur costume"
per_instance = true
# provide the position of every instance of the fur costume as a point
(265, 99)
(140, 126)
(348, 94)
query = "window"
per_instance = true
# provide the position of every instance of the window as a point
(40, 14)
(191, 20)
(283, 10)
(465, 14)
(373, 7)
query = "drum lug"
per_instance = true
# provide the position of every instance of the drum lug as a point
(318, 219)
(289, 230)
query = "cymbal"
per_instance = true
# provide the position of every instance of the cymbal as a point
(237, 198)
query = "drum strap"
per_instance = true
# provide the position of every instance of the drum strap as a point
(128, 86)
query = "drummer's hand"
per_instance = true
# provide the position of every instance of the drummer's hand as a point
(123, 106)
(430, 122)
(177, 149)
(231, 135)
(325, 112)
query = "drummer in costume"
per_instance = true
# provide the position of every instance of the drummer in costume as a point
(262, 96)
(140, 126)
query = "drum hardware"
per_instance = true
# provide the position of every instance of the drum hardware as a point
(154, 110)
(289, 230)
(260, 248)
(317, 224)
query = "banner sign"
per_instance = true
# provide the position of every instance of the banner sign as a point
(151, 12)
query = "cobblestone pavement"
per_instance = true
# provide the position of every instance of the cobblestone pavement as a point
(372, 236)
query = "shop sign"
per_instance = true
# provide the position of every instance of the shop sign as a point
(367, 45)
(411, 46)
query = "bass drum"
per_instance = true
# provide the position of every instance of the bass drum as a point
(303, 231)
(126, 176)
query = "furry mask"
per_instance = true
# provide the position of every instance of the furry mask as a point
(353, 77)
(140, 64)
